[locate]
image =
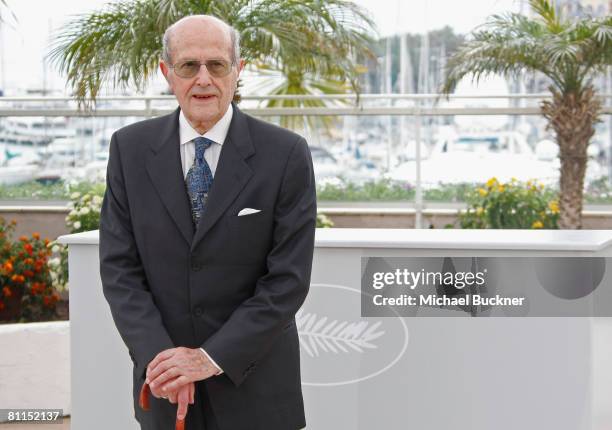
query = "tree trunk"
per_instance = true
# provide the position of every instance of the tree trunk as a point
(572, 116)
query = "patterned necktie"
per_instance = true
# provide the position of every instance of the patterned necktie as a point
(199, 179)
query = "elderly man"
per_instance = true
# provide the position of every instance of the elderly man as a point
(206, 243)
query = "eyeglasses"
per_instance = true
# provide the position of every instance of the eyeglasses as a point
(189, 68)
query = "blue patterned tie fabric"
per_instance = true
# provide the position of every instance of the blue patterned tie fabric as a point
(199, 179)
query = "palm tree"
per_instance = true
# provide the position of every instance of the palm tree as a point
(309, 42)
(570, 53)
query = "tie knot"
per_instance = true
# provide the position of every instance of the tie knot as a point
(201, 145)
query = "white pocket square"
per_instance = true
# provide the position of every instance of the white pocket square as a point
(248, 211)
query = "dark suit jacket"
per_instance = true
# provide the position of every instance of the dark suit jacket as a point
(232, 286)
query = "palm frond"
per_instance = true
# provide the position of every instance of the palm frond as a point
(567, 52)
(5, 8)
(546, 10)
(121, 45)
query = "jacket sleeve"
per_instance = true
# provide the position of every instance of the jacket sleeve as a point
(124, 283)
(256, 323)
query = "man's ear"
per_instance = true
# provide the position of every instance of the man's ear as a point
(164, 69)
(240, 66)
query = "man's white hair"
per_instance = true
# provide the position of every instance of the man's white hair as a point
(234, 36)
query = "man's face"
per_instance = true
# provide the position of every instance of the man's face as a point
(203, 98)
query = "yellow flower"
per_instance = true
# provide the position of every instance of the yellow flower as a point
(537, 224)
(491, 182)
(541, 186)
(482, 192)
(479, 210)
(553, 205)
(513, 180)
(501, 188)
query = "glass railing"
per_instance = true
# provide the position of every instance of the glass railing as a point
(376, 147)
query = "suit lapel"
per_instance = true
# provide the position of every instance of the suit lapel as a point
(231, 175)
(163, 164)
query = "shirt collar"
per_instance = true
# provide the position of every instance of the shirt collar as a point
(217, 133)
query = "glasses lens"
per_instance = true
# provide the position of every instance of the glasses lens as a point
(187, 69)
(218, 68)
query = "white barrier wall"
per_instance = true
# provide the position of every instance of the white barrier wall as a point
(35, 366)
(425, 373)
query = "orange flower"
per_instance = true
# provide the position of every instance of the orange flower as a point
(1, 305)
(13, 221)
(17, 278)
(23, 238)
(46, 241)
(28, 273)
(28, 261)
(7, 292)
(8, 266)
(36, 235)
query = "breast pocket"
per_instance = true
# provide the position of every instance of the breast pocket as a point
(250, 236)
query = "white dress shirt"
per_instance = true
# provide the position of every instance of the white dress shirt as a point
(217, 134)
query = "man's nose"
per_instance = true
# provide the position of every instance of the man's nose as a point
(203, 77)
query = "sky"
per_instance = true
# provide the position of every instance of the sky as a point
(25, 42)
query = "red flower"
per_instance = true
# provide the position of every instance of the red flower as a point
(38, 288)
(50, 301)
(7, 292)
(28, 273)
(1, 305)
(28, 247)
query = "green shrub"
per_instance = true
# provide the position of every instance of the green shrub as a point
(511, 205)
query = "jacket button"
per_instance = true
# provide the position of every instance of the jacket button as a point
(195, 266)
(197, 312)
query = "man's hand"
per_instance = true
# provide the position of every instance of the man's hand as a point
(173, 396)
(184, 396)
(175, 367)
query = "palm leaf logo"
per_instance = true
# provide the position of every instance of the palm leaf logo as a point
(317, 334)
